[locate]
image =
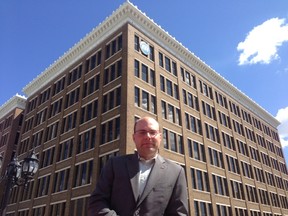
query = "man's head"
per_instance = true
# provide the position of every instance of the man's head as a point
(147, 137)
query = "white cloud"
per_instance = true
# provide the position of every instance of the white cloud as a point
(282, 117)
(262, 42)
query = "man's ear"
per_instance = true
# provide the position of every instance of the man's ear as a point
(133, 137)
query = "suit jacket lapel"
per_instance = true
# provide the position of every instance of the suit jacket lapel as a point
(154, 176)
(133, 170)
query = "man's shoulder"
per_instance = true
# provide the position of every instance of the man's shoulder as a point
(170, 162)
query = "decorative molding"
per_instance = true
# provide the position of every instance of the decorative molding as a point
(129, 13)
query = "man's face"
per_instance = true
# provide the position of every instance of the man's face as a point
(147, 137)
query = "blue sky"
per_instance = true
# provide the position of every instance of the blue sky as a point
(244, 41)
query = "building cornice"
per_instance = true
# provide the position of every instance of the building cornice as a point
(129, 13)
(17, 101)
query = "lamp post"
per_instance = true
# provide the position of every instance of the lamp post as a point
(17, 174)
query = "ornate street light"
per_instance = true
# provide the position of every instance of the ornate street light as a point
(17, 174)
(30, 166)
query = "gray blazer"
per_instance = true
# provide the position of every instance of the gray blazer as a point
(116, 192)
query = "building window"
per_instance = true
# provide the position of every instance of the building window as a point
(237, 190)
(144, 70)
(51, 131)
(72, 98)
(146, 74)
(223, 210)
(86, 141)
(169, 88)
(47, 157)
(162, 83)
(220, 185)
(255, 213)
(136, 43)
(58, 86)
(57, 209)
(111, 99)
(69, 122)
(212, 133)
(65, 150)
(20, 213)
(206, 90)
(254, 154)
(188, 78)
(193, 124)
(93, 61)
(232, 164)
(242, 148)
(55, 108)
(270, 179)
(221, 100)
(174, 69)
(251, 193)
(167, 64)
(250, 134)
(113, 47)
(74, 75)
(247, 170)
(44, 96)
(145, 100)
(113, 71)
(200, 180)
(61, 180)
(28, 124)
(83, 174)
(224, 119)
(173, 141)
(106, 130)
(209, 110)
(190, 100)
(264, 197)
(42, 186)
(37, 138)
(91, 86)
(234, 109)
(216, 158)
(228, 141)
(196, 150)
(32, 104)
(259, 175)
(137, 96)
(79, 206)
(39, 210)
(161, 63)
(136, 68)
(203, 208)
(173, 113)
(89, 111)
(241, 211)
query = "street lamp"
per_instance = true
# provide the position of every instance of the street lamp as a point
(17, 174)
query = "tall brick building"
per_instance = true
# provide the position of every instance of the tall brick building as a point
(81, 110)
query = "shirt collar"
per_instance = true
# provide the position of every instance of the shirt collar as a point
(147, 161)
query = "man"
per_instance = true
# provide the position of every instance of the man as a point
(143, 183)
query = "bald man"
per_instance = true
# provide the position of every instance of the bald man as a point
(143, 183)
